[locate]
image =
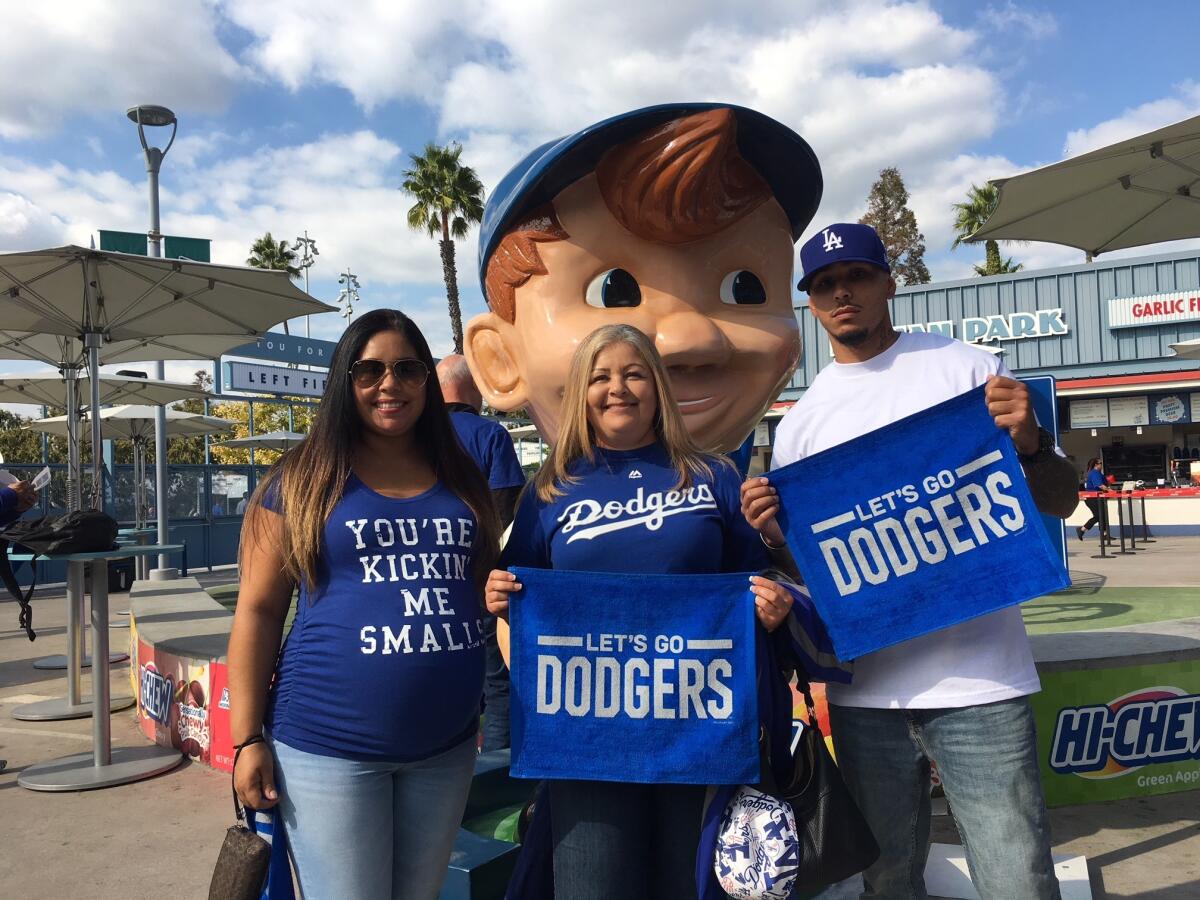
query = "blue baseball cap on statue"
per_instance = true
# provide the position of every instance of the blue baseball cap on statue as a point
(780, 156)
(841, 242)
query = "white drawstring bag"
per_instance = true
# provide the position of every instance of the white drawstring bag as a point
(758, 848)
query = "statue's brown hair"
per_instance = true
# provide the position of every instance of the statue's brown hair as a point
(675, 183)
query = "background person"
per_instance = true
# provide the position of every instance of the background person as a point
(490, 445)
(957, 697)
(366, 737)
(1095, 482)
(622, 434)
(16, 499)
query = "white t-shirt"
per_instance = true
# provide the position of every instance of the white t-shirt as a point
(982, 660)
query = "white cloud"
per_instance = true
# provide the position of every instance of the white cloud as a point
(1037, 25)
(342, 187)
(97, 57)
(379, 50)
(1184, 104)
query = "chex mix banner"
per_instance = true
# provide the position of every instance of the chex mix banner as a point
(637, 678)
(919, 525)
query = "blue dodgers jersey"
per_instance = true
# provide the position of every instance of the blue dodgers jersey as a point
(385, 657)
(490, 446)
(625, 515)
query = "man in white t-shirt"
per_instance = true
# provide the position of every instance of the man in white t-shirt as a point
(956, 697)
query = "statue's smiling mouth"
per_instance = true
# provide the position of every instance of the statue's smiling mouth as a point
(699, 404)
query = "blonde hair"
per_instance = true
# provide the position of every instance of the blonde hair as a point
(575, 438)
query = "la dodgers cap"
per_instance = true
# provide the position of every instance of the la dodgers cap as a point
(784, 160)
(841, 242)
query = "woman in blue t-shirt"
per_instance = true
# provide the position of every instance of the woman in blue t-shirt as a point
(362, 728)
(621, 442)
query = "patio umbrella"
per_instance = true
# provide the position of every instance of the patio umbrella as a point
(62, 389)
(269, 440)
(99, 297)
(1138, 191)
(47, 389)
(136, 424)
(57, 350)
(1187, 349)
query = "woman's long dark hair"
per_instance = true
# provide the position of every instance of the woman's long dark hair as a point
(311, 477)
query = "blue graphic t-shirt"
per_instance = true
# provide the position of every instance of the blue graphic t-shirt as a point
(1095, 480)
(490, 446)
(625, 515)
(385, 656)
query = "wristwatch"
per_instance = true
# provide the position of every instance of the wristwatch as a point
(1045, 445)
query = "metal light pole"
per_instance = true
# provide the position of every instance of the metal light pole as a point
(157, 116)
(309, 252)
(349, 292)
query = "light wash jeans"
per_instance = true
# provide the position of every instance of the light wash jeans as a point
(987, 760)
(371, 830)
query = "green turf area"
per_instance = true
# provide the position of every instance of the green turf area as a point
(500, 824)
(1085, 608)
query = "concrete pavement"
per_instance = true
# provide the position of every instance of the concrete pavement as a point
(159, 838)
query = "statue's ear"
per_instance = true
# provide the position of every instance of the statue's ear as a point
(490, 346)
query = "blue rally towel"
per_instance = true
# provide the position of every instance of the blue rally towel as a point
(638, 678)
(916, 526)
(804, 642)
(279, 873)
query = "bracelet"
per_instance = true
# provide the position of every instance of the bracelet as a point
(762, 537)
(248, 742)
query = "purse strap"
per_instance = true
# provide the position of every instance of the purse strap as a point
(805, 689)
(25, 616)
(239, 809)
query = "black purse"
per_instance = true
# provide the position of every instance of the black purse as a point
(244, 860)
(835, 840)
(80, 531)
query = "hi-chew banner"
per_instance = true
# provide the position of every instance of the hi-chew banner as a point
(935, 527)
(634, 678)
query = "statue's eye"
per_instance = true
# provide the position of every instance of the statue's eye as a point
(742, 287)
(613, 288)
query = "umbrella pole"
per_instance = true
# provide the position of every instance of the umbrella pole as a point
(137, 482)
(164, 572)
(91, 341)
(70, 376)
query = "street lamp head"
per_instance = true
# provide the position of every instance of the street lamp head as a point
(150, 115)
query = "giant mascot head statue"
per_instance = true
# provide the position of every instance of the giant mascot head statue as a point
(678, 220)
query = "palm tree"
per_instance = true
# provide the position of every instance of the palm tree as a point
(449, 199)
(268, 253)
(969, 218)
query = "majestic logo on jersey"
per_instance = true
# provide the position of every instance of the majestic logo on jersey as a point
(635, 474)
(832, 241)
(1151, 725)
(587, 519)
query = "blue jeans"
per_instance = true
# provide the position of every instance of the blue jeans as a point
(495, 691)
(987, 759)
(371, 830)
(627, 841)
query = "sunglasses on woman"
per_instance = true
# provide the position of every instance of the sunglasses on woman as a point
(411, 373)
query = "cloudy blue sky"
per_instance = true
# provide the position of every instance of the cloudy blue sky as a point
(301, 114)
